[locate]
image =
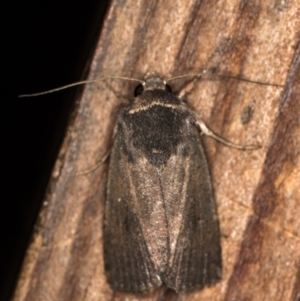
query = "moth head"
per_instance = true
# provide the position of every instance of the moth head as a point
(152, 82)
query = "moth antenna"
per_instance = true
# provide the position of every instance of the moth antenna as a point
(271, 224)
(204, 73)
(206, 131)
(81, 83)
(96, 166)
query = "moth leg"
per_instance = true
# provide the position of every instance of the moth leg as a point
(206, 131)
(97, 165)
(121, 99)
(190, 86)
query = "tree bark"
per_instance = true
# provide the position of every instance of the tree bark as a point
(256, 191)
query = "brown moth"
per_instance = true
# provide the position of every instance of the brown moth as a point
(160, 223)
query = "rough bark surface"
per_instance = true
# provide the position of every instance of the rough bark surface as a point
(257, 192)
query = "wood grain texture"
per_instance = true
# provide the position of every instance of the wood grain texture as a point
(257, 192)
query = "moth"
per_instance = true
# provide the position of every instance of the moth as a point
(160, 224)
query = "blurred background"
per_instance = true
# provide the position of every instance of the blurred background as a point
(45, 44)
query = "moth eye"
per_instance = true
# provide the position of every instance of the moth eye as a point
(168, 89)
(138, 90)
